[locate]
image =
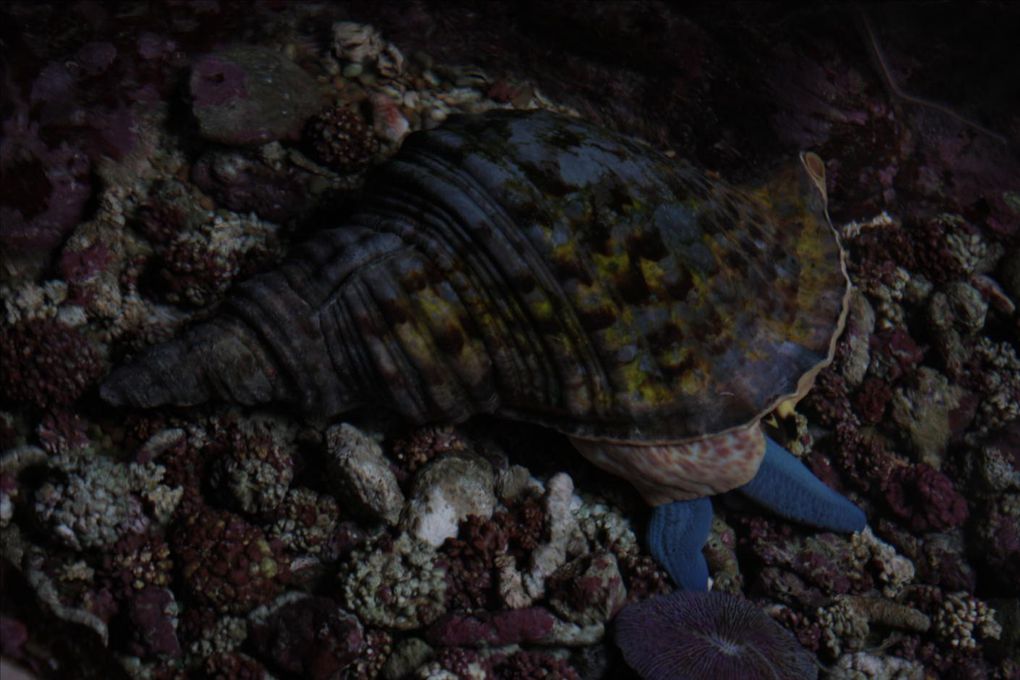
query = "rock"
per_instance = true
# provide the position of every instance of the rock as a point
(242, 182)
(251, 95)
(588, 590)
(563, 528)
(564, 634)
(1008, 274)
(361, 475)
(996, 462)
(512, 481)
(992, 292)
(1008, 611)
(968, 306)
(362, 44)
(388, 121)
(445, 493)
(924, 412)
(860, 325)
(869, 665)
(407, 656)
(356, 43)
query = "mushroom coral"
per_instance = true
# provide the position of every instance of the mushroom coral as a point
(693, 636)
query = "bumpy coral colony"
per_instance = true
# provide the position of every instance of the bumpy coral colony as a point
(541, 269)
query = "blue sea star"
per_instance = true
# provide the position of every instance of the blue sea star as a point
(678, 530)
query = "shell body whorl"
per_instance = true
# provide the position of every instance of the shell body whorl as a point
(540, 268)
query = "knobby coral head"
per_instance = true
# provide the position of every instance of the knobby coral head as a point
(700, 636)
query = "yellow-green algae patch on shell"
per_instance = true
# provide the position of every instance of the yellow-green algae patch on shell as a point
(643, 300)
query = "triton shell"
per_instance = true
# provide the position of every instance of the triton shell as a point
(539, 268)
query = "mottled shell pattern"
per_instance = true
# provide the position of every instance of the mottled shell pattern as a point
(539, 268)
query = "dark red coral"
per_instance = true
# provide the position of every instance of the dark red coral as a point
(824, 563)
(469, 560)
(414, 450)
(312, 637)
(807, 630)
(920, 245)
(894, 354)
(307, 522)
(81, 270)
(858, 455)
(872, 398)
(177, 451)
(137, 561)
(378, 647)
(227, 563)
(470, 557)
(643, 576)
(830, 398)
(62, 431)
(152, 630)
(932, 251)
(462, 661)
(342, 139)
(170, 209)
(231, 666)
(45, 362)
(192, 273)
(80, 266)
(799, 569)
(525, 523)
(925, 498)
(525, 665)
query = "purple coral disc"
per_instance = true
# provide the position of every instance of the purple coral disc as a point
(700, 636)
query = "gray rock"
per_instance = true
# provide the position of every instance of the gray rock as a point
(968, 306)
(361, 476)
(860, 324)
(445, 493)
(923, 411)
(251, 95)
(513, 481)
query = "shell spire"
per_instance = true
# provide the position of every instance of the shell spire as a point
(195, 367)
(266, 344)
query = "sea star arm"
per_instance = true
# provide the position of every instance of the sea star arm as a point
(786, 487)
(676, 534)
